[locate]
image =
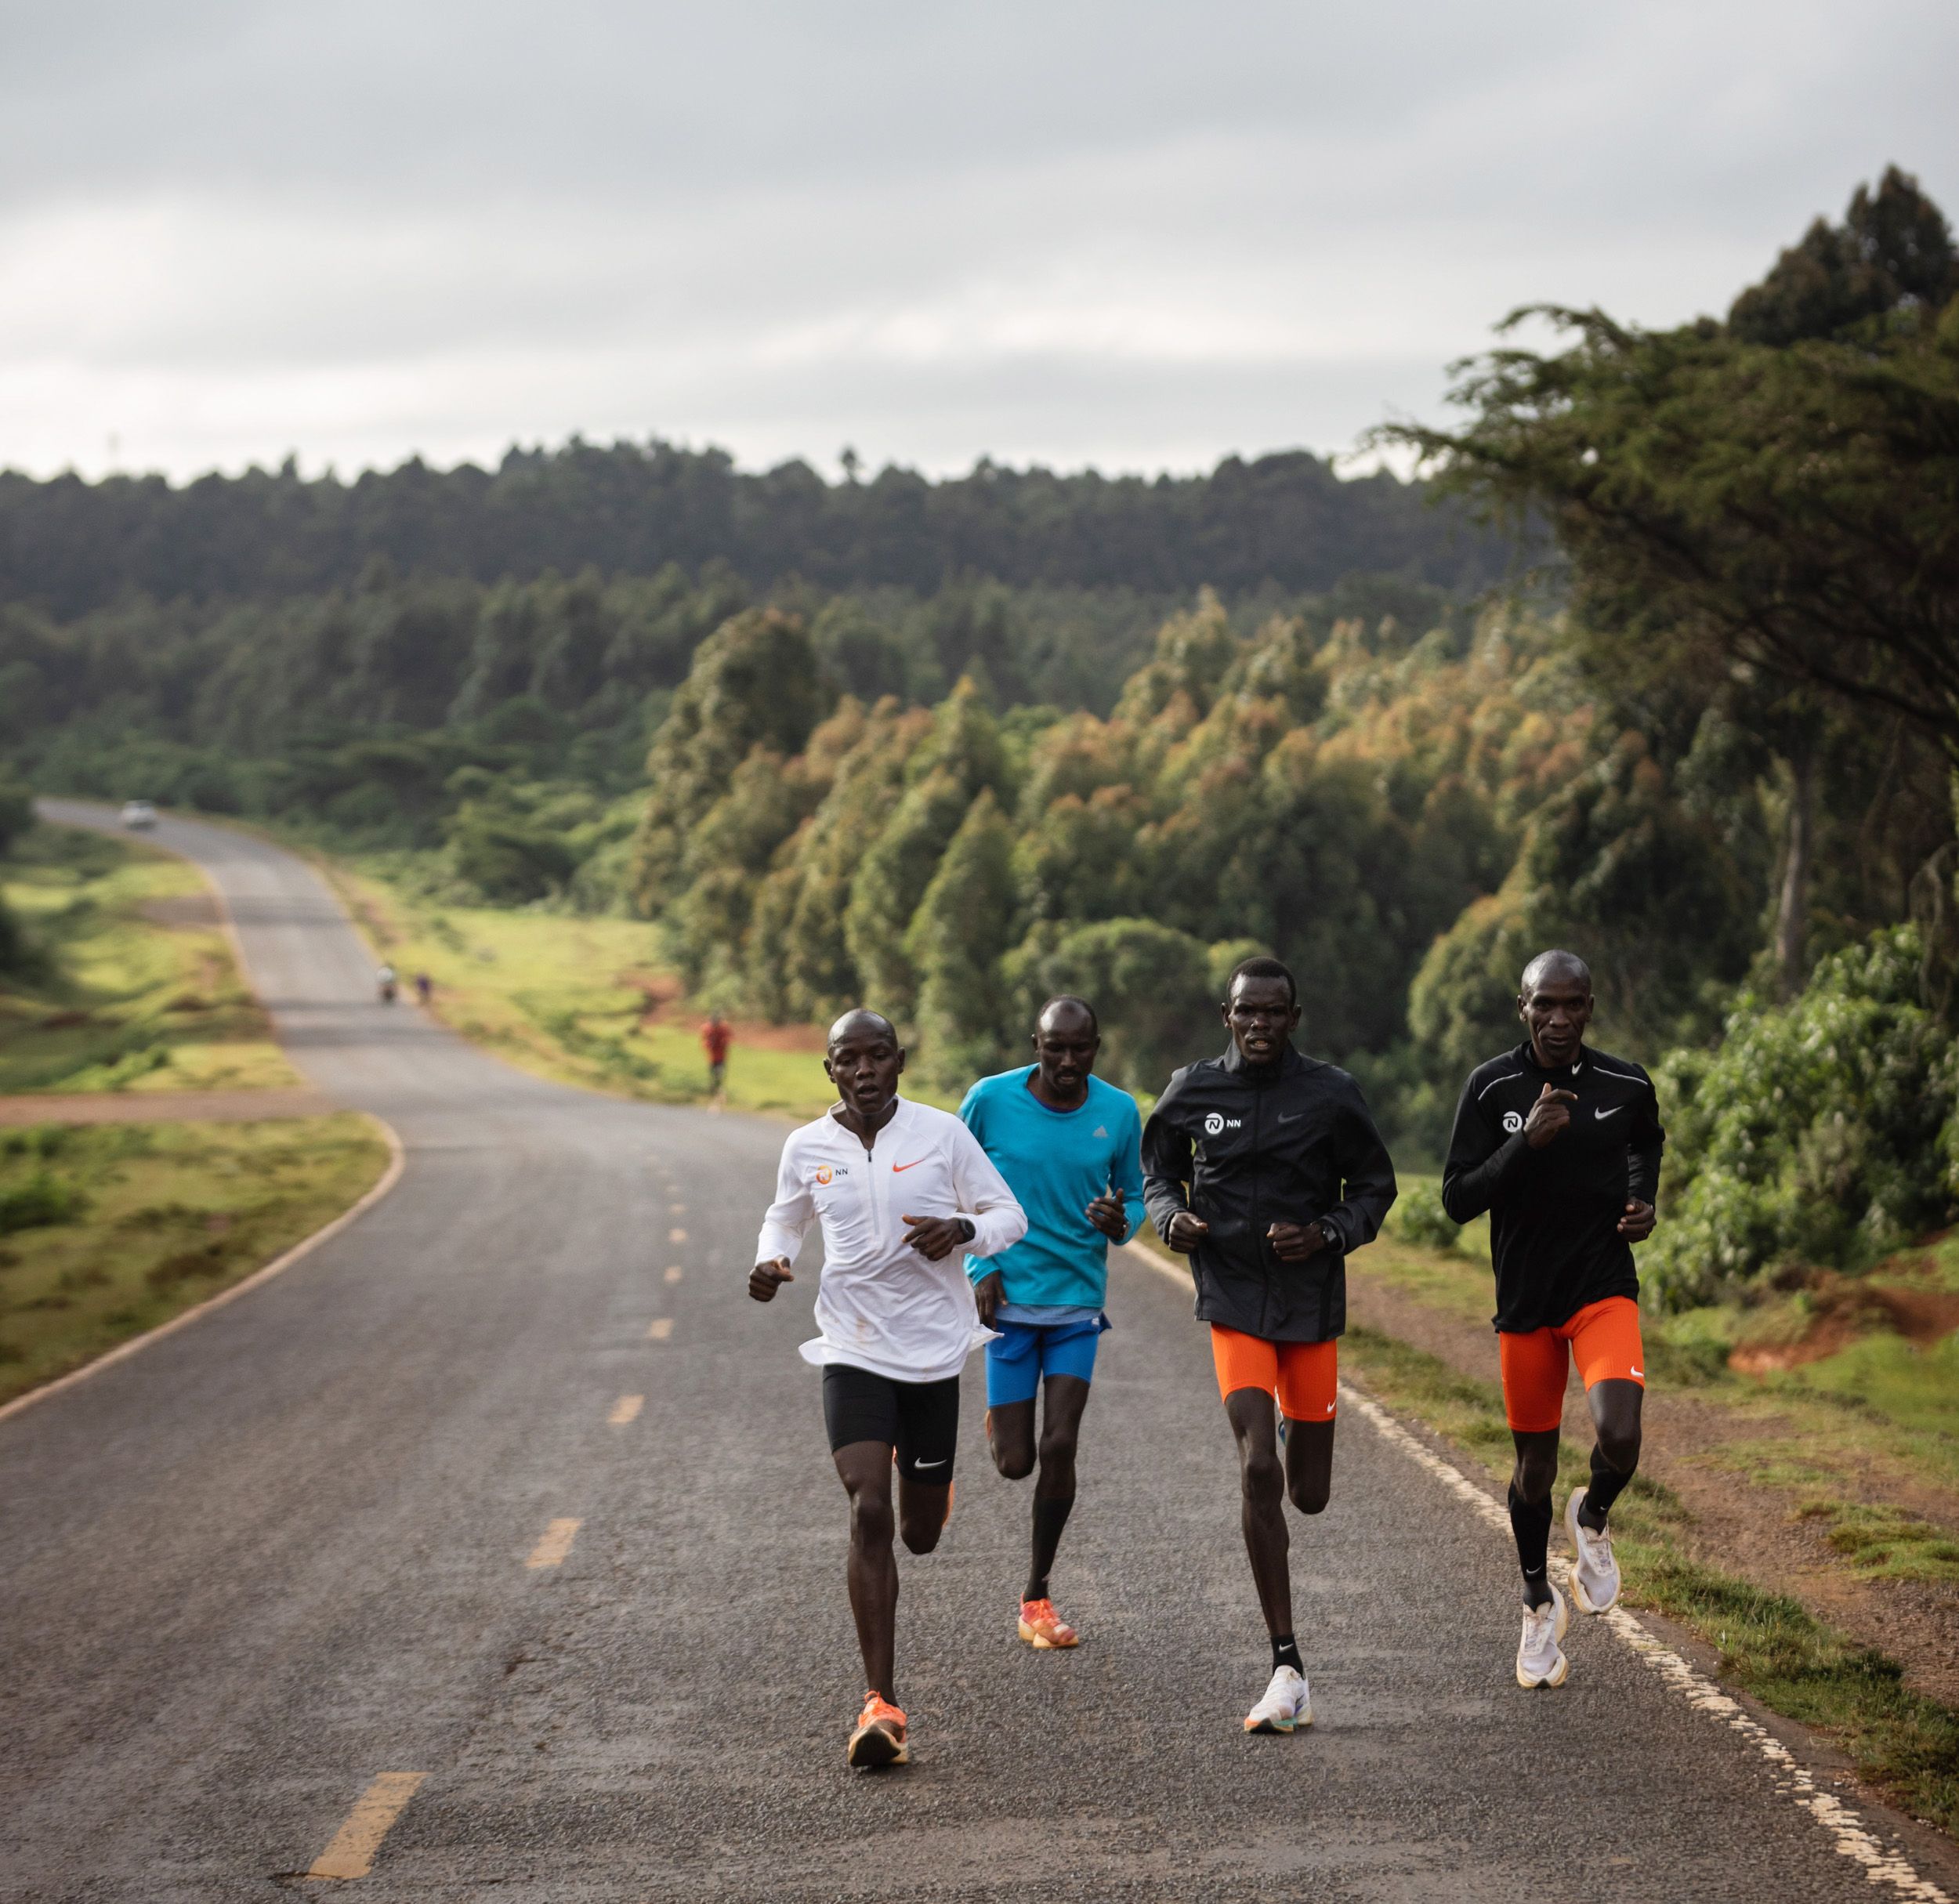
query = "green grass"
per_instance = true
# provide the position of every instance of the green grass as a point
(1881, 1408)
(151, 1218)
(1769, 1644)
(123, 1002)
(565, 996)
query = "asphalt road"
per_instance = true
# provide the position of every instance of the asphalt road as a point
(283, 1551)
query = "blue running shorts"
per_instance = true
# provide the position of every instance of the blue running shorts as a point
(1025, 1353)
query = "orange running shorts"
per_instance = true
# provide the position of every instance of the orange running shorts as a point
(1603, 1338)
(1304, 1376)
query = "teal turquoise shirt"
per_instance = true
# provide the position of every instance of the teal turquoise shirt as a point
(1056, 1163)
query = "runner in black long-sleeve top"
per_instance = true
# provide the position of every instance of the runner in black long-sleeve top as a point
(1561, 1144)
(1264, 1168)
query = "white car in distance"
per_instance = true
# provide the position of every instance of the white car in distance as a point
(139, 816)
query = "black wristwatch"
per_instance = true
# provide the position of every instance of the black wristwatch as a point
(973, 1229)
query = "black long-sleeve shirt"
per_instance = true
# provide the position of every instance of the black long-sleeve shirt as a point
(1287, 1142)
(1553, 1213)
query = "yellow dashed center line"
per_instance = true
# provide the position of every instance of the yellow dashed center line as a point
(677, 1209)
(676, 1236)
(351, 1853)
(673, 1273)
(556, 1544)
(660, 1329)
(626, 1409)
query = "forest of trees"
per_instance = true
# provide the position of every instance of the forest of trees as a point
(68, 547)
(945, 748)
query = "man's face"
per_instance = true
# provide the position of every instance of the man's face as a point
(1261, 1016)
(1065, 1045)
(864, 1067)
(1556, 1012)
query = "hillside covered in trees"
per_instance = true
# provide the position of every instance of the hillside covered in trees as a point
(1288, 521)
(944, 749)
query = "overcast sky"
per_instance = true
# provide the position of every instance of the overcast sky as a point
(1139, 235)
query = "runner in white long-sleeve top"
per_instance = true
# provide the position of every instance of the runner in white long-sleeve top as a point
(901, 1190)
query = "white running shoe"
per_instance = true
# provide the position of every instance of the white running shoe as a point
(1288, 1703)
(1594, 1577)
(1539, 1662)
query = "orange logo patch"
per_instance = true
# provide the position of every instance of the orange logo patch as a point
(824, 1174)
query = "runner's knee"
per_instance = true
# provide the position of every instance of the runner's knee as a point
(1619, 1442)
(920, 1532)
(1015, 1460)
(1057, 1451)
(871, 1520)
(1265, 1479)
(1536, 1471)
(1309, 1493)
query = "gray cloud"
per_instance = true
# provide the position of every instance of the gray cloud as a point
(1134, 235)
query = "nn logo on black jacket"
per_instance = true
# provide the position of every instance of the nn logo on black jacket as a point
(1218, 1122)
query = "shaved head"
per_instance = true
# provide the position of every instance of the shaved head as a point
(1554, 966)
(1067, 1009)
(860, 1023)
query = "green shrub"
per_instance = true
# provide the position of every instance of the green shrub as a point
(42, 1199)
(1823, 1131)
(1418, 1217)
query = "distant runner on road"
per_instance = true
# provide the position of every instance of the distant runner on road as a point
(1067, 1145)
(899, 1188)
(716, 1036)
(1561, 1144)
(1263, 1167)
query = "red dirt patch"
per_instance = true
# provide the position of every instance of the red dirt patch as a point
(667, 1004)
(1843, 1308)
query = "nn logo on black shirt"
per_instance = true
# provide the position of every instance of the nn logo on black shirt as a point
(1513, 1122)
(1217, 1121)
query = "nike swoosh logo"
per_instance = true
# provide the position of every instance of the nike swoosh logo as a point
(1614, 1112)
(1640, 1372)
(1294, 1118)
(913, 1165)
(922, 1465)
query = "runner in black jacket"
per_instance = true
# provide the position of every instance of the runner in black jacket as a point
(1264, 1168)
(1561, 1144)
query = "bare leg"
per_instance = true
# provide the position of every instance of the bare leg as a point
(864, 1467)
(1063, 1398)
(1264, 1479)
(1615, 1456)
(1309, 1464)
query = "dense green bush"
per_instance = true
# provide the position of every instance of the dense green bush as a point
(1824, 1131)
(43, 1198)
(1418, 1217)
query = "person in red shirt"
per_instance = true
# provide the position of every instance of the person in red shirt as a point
(716, 1036)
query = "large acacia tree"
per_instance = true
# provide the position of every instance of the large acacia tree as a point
(1768, 506)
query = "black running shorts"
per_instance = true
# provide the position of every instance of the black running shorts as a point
(919, 1419)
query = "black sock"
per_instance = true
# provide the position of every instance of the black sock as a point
(1530, 1524)
(1606, 1484)
(1285, 1652)
(1050, 1516)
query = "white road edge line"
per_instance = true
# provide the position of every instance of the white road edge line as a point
(1851, 1837)
(397, 1161)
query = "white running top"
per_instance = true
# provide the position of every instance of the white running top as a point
(881, 1305)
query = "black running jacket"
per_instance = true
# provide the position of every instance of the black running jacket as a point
(1245, 1146)
(1553, 1213)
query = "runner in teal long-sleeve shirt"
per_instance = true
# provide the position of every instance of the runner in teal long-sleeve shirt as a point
(1069, 1146)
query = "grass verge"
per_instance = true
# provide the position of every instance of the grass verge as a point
(135, 989)
(1904, 1745)
(108, 1230)
(1868, 1408)
(566, 996)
